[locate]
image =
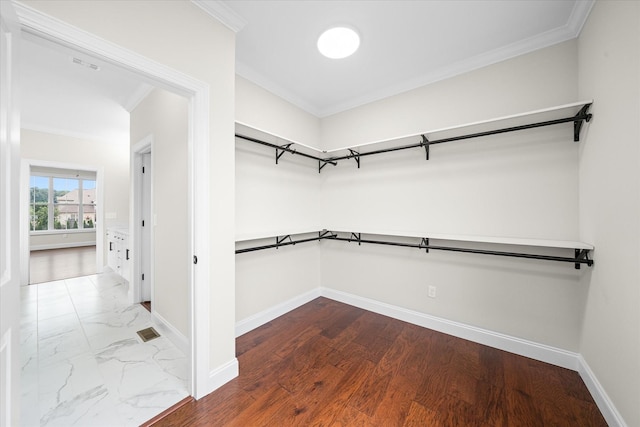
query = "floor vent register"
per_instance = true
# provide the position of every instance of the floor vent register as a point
(148, 334)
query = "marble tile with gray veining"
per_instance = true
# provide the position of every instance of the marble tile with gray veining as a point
(82, 361)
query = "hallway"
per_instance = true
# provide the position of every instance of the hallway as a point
(83, 363)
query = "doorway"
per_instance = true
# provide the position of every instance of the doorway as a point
(198, 94)
(142, 277)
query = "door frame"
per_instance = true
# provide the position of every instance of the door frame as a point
(197, 92)
(9, 219)
(143, 146)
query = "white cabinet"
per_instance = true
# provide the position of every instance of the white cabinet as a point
(119, 254)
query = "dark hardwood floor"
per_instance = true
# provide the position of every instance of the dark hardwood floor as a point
(331, 364)
(56, 264)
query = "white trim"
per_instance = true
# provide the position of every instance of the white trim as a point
(71, 134)
(199, 242)
(170, 332)
(62, 246)
(579, 15)
(5, 353)
(38, 23)
(143, 146)
(522, 347)
(222, 13)
(223, 374)
(600, 396)
(245, 325)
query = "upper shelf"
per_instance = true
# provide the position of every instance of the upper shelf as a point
(576, 113)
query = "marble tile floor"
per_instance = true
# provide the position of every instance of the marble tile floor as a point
(83, 363)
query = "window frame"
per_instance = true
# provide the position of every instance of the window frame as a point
(52, 204)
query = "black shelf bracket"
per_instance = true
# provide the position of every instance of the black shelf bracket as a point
(322, 163)
(283, 149)
(582, 256)
(326, 234)
(356, 237)
(579, 120)
(424, 244)
(425, 143)
(356, 156)
(280, 241)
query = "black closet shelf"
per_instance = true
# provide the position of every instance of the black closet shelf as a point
(579, 250)
(576, 113)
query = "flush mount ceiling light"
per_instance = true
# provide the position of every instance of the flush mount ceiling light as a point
(338, 42)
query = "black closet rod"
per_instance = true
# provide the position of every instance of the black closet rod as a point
(577, 120)
(582, 115)
(279, 147)
(575, 260)
(581, 255)
(278, 244)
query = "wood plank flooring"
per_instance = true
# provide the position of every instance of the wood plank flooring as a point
(57, 264)
(331, 364)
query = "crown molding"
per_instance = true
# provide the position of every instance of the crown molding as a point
(138, 96)
(257, 78)
(579, 15)
(223, 13)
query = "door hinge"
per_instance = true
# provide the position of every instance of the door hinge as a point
(143, 222)
(142, 276)
(143, 169)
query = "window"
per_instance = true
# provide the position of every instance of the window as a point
(59, 202)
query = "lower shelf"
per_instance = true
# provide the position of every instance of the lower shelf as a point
(580, 250)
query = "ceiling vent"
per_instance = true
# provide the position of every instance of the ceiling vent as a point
(86, 64)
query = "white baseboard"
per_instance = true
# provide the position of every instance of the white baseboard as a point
(542, 352)
(222, 375)
(61, 246)
(172, 334)
(607, 408)
(245, 325)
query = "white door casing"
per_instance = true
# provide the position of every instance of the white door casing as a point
(141, 238)
(9, 220)
(146, 240)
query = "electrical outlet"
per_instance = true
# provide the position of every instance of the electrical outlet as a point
(431, 291)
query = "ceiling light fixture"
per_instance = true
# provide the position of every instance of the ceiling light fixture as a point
(338, 42)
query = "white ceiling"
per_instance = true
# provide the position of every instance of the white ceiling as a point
(404, 45)
(59, 96)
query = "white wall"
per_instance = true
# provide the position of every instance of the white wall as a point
(273, 200)
(537, 80)
(609, 51)
(521, 184)
(181, 36)
(113, 158)
(265, 111)
(165, 116)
